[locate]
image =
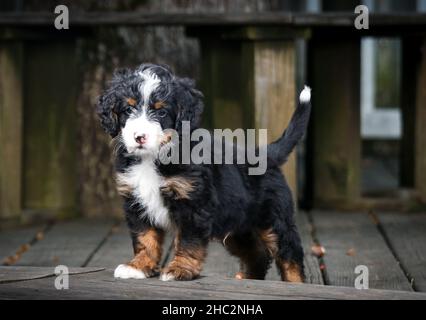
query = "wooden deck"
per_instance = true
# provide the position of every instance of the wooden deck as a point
(392, 246)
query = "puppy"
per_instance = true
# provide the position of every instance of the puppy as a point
(251, 214)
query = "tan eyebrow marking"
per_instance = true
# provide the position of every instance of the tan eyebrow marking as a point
(131, 102)
(159, 105)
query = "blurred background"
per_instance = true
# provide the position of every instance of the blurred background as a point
(55, 159)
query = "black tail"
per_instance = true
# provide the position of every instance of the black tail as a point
(279, 150)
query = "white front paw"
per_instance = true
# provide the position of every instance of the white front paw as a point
(167, 276)
(125, 271)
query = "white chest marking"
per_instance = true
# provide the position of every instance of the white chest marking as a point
(145, 182)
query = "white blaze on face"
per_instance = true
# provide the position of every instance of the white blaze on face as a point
(149, 84)
(141, 124)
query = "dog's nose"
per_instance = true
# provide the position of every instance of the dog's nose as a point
(141, 138)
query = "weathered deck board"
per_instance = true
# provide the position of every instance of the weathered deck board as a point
(406, 234)
(68, 243)
(12, 240)
(352, 239)
(118, 249)
(220, 262)
(14, 274)
(102, 285)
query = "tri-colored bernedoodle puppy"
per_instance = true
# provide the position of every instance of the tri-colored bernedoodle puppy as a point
(251, 214)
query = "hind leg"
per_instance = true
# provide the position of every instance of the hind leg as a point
(282, 238)
(253, 254)
(284, 244)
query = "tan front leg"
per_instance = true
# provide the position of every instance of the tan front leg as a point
(148, 251)
(187, 263)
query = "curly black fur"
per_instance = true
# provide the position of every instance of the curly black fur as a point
(225, 202)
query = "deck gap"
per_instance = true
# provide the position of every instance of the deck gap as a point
(101, 243)
(321, 261)
(385, 237)
(22, 249)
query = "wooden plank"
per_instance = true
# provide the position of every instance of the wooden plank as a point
(410, 64)
(17, 240)
(11, 105)
(352, 239)
(102, 285)
(275, 94)
(312, 269)
(223, 83)
(335, 19)
(10, 5)
(49, 179)
(118, 249)
(339, 6)
(335, 119)
(406, 234)
(220, 263)
(14, 274)
(68, 243)
(420, 128)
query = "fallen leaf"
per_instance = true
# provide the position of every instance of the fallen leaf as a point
(239, 276)
(9, 261)
(23, 248)
(318, 250)
(39, 236)
(351, 252)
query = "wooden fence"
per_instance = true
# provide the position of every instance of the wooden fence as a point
(248, 78)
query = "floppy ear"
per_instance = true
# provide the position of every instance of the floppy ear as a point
(108, 118)
(190, 103)
(106, 107)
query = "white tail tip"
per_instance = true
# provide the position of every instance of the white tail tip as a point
(305, 95)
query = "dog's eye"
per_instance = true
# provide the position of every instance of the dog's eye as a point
(162, 113)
